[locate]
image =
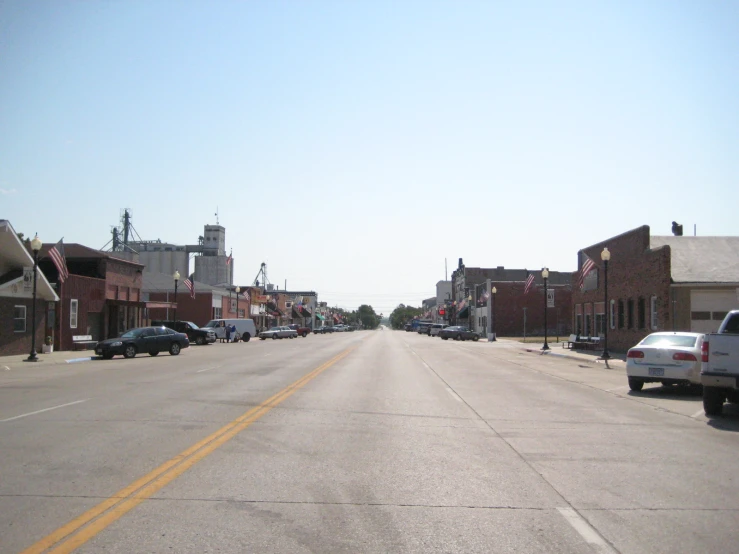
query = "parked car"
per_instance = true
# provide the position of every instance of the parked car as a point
(323, 330)
(282, 332)
(424, 327)
(340, 328)
(670, 358)
(435, 328)
(150, 340)
(459, 332)
(720, 369)
(301, 331)
(245, 328)
(194, 333)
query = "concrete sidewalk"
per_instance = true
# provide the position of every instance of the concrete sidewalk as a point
(616, 361)
(51, 359)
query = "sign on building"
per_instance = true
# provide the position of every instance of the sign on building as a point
(550, 298)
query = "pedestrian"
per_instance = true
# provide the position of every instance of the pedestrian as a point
(233, 333)
(228, 333)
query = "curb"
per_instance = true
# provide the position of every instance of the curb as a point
(569, 357)
(78, 360)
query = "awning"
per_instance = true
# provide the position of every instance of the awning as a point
(297, 314)
(464, 313)
(319, 316)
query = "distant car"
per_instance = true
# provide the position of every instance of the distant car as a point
(408, 327)
(436, 328)
(301, 331)
(340, 328)
(194, 333)
(459, 332)
(283, 332)
(423, 328)
(670, 358)
(245, 328)
(149, 340)
(323, 330)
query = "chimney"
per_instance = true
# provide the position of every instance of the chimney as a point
(460, 263)
(677, 229)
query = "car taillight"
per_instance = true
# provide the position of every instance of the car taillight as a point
(684, 357)
(635, 354)
(704, 351)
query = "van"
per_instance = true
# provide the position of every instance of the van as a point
(245, 328)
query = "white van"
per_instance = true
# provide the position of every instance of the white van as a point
(245, 328)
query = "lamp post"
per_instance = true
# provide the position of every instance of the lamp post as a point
(605, 256)
(545, 276)
(35, 246)
(469, 312)
(238, 290)
(493, 292)
(176, 278)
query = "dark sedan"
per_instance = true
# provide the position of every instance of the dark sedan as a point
(149, 340)
(459, 332)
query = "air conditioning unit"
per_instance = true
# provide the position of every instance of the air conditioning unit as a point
(288, 304)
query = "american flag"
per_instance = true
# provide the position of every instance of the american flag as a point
(190, 286)
(56, 253)
(529, 283)
(587, 267)
(228, 260)
(248, 297)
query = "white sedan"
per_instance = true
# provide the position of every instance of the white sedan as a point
(670, 358)
(282, 332)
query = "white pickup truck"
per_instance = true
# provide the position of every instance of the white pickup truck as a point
(720, 365)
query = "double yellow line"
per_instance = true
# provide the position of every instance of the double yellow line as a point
(84, 527)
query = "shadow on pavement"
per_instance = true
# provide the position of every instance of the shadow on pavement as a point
(673, 392)
(729, 421)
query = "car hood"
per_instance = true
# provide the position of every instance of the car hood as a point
(108, 342)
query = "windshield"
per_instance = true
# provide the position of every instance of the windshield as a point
(192, 325)
(132, 334)
(274, 329)
(669, 340)
(211, 324)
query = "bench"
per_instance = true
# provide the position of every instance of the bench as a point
(585, 343)
(83, 342)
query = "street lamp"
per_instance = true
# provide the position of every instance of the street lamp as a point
(545, 276)
(238, 290)
(469, 312)
(176, 278)
(35, 246)
(494, 291)
(605, 256)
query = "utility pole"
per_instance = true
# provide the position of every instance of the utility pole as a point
(524, 325)
(489, 326)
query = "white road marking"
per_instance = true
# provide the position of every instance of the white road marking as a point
(585, 530)
(454, 394)
(207, 369)
(44, 410)
(617, 388)
(6, 368)
(698, 413)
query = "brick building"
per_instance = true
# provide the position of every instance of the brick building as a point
(101, 298)
(657, 283)
(16, 297)
(516, 314)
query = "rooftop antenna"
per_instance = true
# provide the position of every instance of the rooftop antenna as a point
(446, 274)
(217, 223)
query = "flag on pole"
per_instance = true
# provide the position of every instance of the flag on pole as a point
(56, 253)
(529, 283)
(587, 267)
(230, 257)
(190, 286)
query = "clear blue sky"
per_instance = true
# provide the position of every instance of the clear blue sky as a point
(353, 146)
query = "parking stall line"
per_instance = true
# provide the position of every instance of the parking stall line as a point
(586, 531)
(44, 410)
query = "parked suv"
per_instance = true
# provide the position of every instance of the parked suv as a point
(435, 328)
(194, 333)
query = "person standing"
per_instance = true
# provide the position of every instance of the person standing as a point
(233, 333)
(228, 333)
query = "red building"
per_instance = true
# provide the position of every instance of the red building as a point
(100, 299)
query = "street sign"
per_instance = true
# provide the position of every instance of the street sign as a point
(27, 279)
(550, 298)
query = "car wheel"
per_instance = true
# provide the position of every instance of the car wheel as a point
(130, 351)
(275, 337)
(475, 338)
(305, 334)
(713, 401)
(246, 337)
(174, 349)
(154, 353)
(459, 337)
(636, 384)
(444, 338)
(107, 356)
(262, 338)
(200, 341)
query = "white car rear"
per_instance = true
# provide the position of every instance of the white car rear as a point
(668, 358)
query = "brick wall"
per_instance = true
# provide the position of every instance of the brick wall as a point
(90, 295)
(12, 343)
(510, 302)
(635, 272)
(198, 310)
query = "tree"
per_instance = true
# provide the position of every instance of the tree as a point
(404, 314)
(367, 317)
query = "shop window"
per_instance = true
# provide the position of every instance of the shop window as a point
(73, 306)
(620, 314)
(641, 313)
(587, 325)
(578, 323)
(700, 316)
(630, 313)
(600, 324)
(217, 313)
(19, 319)
(653, 313)
(612, 315)
(718, 316)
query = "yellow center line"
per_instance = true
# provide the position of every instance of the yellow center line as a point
(84, 527)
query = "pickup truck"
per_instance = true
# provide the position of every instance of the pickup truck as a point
(302, 331)
(195, 334)
(720, 365)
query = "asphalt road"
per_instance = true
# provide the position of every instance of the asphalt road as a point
(360, 442)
